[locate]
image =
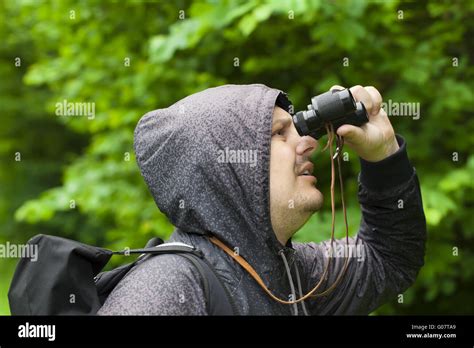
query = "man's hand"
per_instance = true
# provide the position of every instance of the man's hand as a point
(375, 140)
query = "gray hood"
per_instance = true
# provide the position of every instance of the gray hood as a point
(189, 156)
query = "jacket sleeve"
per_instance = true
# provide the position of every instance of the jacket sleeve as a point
(388, 251)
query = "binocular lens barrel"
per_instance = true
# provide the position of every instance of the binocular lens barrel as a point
(335, 107)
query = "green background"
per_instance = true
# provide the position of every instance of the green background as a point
(411, 51)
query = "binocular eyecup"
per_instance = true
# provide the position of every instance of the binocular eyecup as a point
(337, 107)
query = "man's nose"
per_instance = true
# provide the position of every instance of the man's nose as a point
(306, 146)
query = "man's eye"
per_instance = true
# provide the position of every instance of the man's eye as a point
(280, 131)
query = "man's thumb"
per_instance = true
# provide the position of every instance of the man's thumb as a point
(351, 133)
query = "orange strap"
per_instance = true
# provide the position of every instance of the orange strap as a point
(241, 261)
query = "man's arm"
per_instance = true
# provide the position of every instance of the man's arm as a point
(390, 243)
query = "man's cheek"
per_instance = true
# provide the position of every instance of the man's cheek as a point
(282, 163)
(282, 149)
(287, 153)
(282, 178)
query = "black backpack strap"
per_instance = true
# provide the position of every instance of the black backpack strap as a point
(166, 248)
(219, 301)
(106, 281)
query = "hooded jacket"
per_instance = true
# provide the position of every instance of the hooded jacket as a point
(205, 160)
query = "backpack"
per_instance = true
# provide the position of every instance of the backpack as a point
(65, 278)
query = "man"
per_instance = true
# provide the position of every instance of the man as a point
(228, 162)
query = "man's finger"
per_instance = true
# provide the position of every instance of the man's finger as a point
(354, 135)
(376, 99)
(361, 94)
(337, 88)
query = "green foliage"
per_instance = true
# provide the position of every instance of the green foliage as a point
(78, 177)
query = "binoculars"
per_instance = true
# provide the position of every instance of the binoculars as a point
(337, 107)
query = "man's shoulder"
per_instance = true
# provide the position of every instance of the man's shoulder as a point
(165, 271)
(159, 285)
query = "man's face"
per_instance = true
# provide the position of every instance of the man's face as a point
(293, 195)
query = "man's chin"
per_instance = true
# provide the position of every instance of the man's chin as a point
(312, 201)
(318, 203)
